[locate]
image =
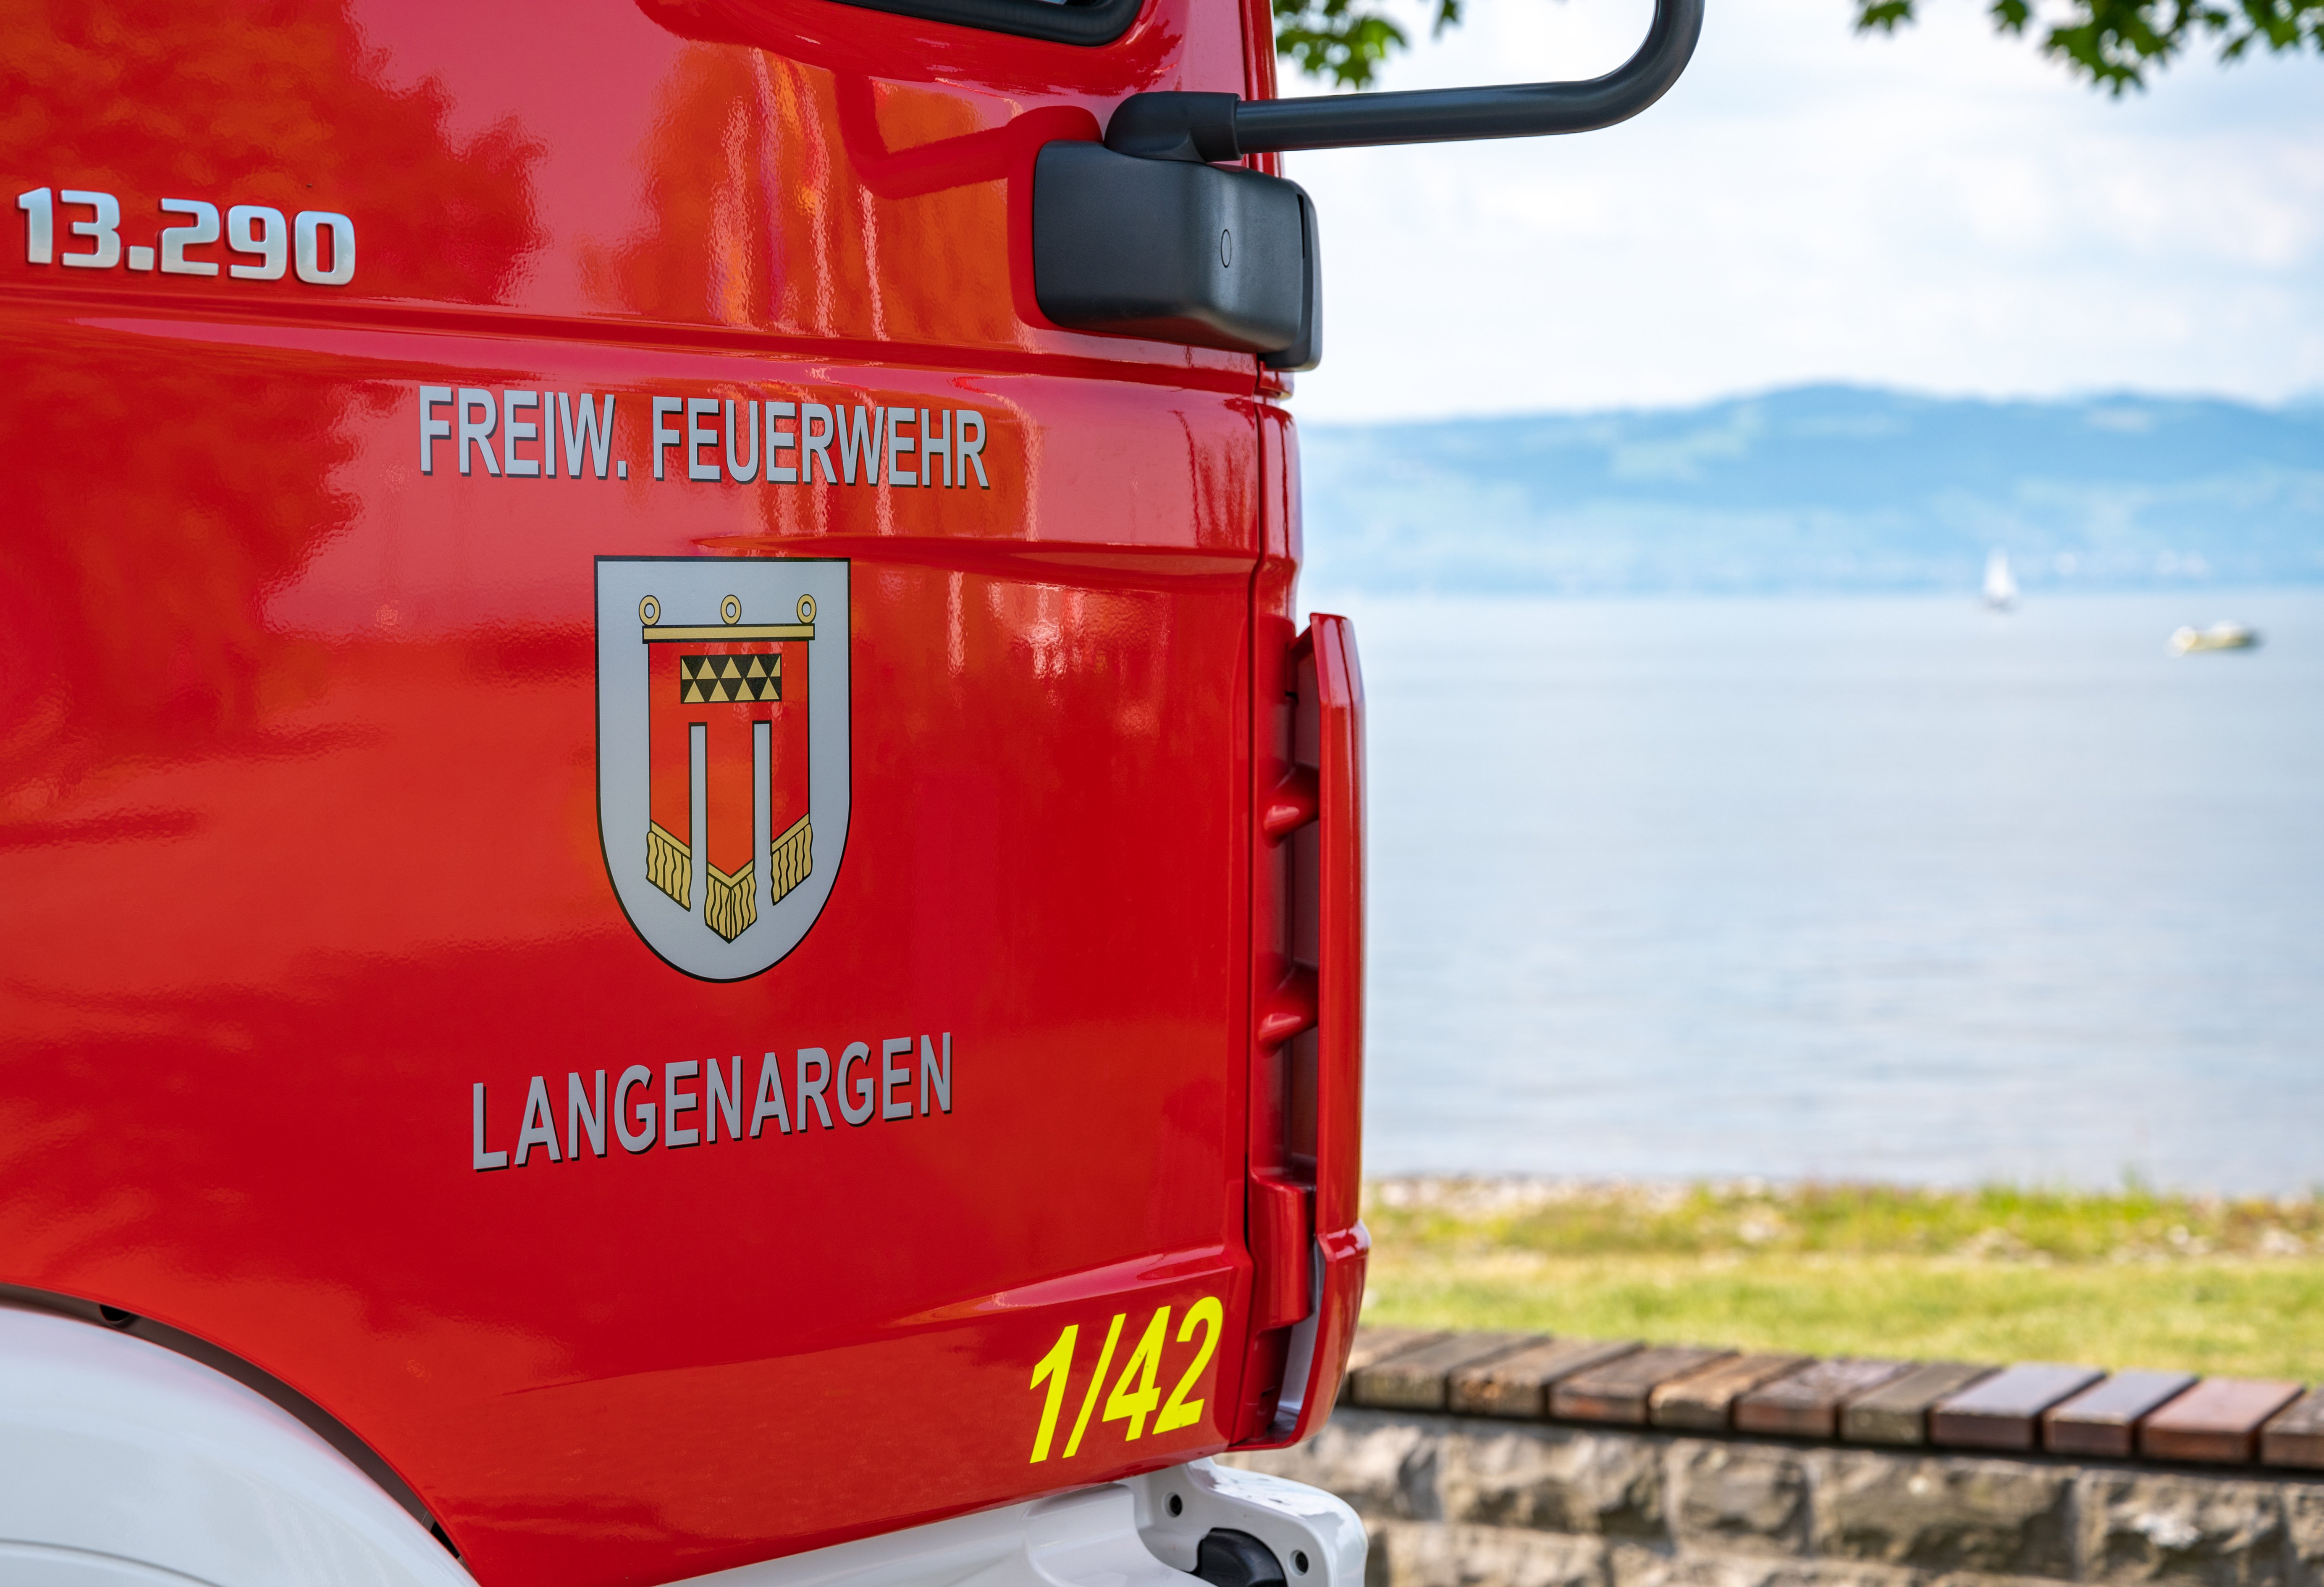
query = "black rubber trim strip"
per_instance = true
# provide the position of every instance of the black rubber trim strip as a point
(1080, 22)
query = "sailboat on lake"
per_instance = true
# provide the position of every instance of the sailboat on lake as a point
(2000, 588)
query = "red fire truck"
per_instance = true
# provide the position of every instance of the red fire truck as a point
(488, 490)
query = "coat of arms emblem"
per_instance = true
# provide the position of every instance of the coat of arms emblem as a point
(722, 751)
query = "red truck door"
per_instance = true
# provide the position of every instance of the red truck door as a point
(631, 817)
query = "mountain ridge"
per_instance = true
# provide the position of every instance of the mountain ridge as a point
(1822, 487)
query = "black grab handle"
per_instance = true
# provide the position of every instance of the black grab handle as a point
(1213, 127)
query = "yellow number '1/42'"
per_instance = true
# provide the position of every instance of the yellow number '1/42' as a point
(1054, 1366)
(1096, 1383)
(1123, 1404)
(1137, 1393)
(1181, 1412)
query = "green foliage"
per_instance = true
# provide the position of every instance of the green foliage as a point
(2115, 43)
(1341, 41)
(1998, 1222)
(2135, 1277)
(2208, 1314)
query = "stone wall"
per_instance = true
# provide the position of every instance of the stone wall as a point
(1458, 1501)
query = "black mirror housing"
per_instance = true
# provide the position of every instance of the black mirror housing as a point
(1177, 251)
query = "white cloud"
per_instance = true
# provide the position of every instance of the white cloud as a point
(1943, 210)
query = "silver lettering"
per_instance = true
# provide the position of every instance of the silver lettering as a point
(862, 444)
(104, 233)
(741, 474)
(481, 435)
(431, 430)
(932, 1078)
(581, 1119)
(514, 430)
(486, 1160)
(175, 240)
(936, 444)
(676, 1102)
(250, 228)
(633, 1076)
(664, 435)
(815, 443)
(781, 441)
(599, 439)
(307, 248)
(855, 1110)
(894, 1074)
(40, 226)
(814, 1092)
(860, 1086)
(898, 442)
(698, 436)
(971, 453)
(770, 1104)
(539, 1126)
(726, 1101)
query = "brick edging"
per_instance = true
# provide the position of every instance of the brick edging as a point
(2028, 1409)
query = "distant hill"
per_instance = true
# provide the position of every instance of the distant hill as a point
(1823, 488)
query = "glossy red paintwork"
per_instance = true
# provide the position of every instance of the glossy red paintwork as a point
(298, 813)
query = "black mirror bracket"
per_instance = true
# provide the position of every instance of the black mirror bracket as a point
(1175, 125)
(1219, 127)
(1128, 241)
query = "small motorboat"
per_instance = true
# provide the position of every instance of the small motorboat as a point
(2220, 636)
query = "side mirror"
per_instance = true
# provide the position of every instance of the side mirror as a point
(1149, 236)
(1207, 255)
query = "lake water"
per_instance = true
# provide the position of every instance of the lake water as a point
(1847, 887)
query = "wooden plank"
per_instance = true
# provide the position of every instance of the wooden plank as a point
(1807, 1404)
(1617, 1392)
(1414, 1378)
(1898, 1412)
(1519, 1385)
(2005, 1410)
(2103, 1419)
(2295, 1437)
(2217, 1420)
(1704, 1402)
(1375, 1343)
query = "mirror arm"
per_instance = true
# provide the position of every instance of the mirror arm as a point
(1217, 127)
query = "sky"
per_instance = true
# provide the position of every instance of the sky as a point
(1943, 210)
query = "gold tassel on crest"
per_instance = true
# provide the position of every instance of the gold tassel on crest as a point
(791, 858)
(733, 904)
(669, 866)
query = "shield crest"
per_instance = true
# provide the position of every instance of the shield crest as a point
(722, 752)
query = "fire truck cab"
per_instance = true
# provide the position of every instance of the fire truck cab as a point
(680, 896)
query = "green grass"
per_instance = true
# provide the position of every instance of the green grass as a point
(2132, 1279)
